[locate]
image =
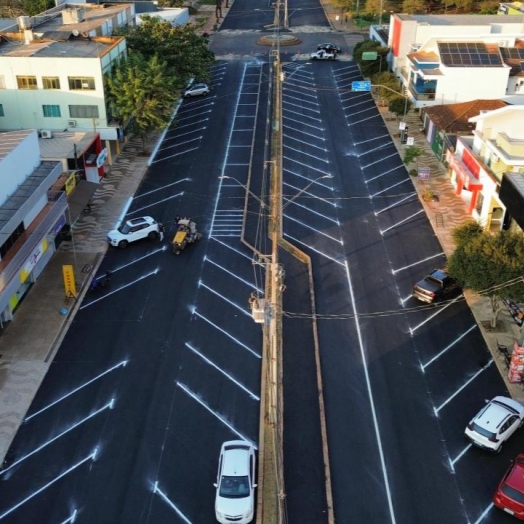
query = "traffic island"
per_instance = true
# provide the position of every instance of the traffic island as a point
(282, 40)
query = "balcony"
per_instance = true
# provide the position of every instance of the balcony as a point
(422, 93)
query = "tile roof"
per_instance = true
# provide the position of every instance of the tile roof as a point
(453, 118)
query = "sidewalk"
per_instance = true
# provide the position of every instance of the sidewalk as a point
(31, 340)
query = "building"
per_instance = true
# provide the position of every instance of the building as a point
(445, 59)
(488, 161)
(52, 69)
(32, 216)
(511, 8)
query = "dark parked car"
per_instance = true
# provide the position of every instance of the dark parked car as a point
(436, 286)
(330, 48)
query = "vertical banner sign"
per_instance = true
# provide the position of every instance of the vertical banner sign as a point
(69, 281)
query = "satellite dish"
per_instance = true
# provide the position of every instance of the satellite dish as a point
(75, 32)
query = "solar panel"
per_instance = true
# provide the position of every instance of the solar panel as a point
(467, 54)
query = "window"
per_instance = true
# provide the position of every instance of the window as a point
(81, 83)
(26, 82)
(83, 111)
(51, 110)
(2, 110)
(51, 82)
(2, 82)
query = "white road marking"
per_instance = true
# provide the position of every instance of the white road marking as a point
(316, 127)
(306, 165)
(92, 456)
(302, 132)
(232, 248)
(463, 386)
(484, 513)
(109, 405)
(218, 328)
(300, 106)
(295, 203)
(363, 120)
(300, 152)
(380, 137)
(438, 312)
(309, 144)
(229, 377)
(459, 456)
(157, 490)
(156, 203)
(230, 302)
(234, 275)
(449, 346)
(194, 396)
(182, 118)
(402, 222)
(315, 197)
(371, 151)
(173, 130)
(410, 195)
(76, 390)
(163, 188)
(71, 519)
(315, 250)
(395, 271)
(302, 115)
(307, 179)
(180, 144)
(380, 159)
(177, 154)
(315, 229)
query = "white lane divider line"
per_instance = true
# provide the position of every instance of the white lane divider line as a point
(471, 379)
(220, 370)
(71, 519)
(409, 197)
(367, 181)
(342, 263)
(231, 337)
(163, 188)
(230, 302)
(458, 457)
(484, 513)
(388, 188)
(156, 203)
(456, 341)
(245, 255)
(226, 423)
(315, 229)
(403, 221)
(234, 275)
(440, 310)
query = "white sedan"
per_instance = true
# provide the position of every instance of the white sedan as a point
(235, 495)
(197, 90)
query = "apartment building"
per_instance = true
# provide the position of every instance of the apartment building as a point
(446, 59)
(52, 69)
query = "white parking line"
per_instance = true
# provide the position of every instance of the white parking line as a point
(311, 195)
(363, 120)
(306, 165)
(234, 275)
(301, 123)
(179, 144)
(380, 137)
(438, 355)
(380, 159)
(463, 386)
(71, 519)
(316, 229)
(300, 106)
(163, 188)
(395, 271)
(302, 132)
(402, 222)
(438, 312)
(288, 148)
(385, 173)
(300, 98)
(309, 144)
(410, 196)
(177, 154)
(484, 513)
(196, 397)
(164, 497)
(245, 255)
(229, 377)
(297, 204)
(302, 115)
(388, 188)
(459, 456)
(155, 203)
(195, 312)
(315, 250)
(230, 302)
(372, 151)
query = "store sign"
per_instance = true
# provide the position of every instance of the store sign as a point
(69, 281)
(70, 183)
(101, 158)
(32, 261)
(369, 55)
(423, 173)
(410, 141)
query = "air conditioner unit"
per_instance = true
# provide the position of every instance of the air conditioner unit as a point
(71, 123)
(46, 133)
(503, 43)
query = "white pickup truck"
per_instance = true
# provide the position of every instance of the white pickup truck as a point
(322, 55)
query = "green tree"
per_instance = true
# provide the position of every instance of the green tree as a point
(411, 153)
(399, 105)
(489, 264)
(35, 7)
(184, 51)
(141, 89)
(413, 6)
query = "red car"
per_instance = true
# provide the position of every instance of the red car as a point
(510, 493)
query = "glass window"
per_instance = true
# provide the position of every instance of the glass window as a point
(83, 111)
(26, 82)
(81, 83)
(51, 82)
(51, 110)
(2, 110)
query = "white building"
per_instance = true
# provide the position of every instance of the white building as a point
(481, 163)
(31, 216)
(443, 59)
(52, 68)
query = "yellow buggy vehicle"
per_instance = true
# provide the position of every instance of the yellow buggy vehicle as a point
(186, 234)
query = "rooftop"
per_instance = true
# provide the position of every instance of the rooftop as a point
(62, 145)
(459, 20)
(9, 140)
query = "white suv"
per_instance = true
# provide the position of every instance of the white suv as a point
(235, 496)
(133, 230)
(495, 423)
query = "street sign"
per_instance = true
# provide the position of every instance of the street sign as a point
(410, 141)
(423, 173)
(364, 85)
(369, 55)
(402, 126)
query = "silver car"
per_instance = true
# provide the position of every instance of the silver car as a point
(197, 90)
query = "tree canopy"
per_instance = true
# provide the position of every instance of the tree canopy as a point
(184, 52)
(142, 89)
(491, 264)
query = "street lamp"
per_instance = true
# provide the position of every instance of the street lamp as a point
(263, 205)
